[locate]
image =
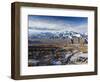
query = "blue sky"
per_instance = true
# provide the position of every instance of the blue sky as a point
(57, 23)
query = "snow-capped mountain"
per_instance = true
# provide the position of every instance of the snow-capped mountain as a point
(56, 35)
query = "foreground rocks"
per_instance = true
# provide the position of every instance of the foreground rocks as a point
(60, 57)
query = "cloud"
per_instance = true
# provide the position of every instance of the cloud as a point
(48, 26)
(52, 26)
(83, 28)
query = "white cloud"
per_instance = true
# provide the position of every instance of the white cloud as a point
(83, 28)
(44, 25)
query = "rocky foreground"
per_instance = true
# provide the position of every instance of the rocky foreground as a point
(70, 57)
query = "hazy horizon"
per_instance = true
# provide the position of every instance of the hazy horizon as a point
(57, 24)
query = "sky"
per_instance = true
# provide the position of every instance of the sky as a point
(38, 23)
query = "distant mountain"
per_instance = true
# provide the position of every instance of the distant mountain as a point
(56, 35)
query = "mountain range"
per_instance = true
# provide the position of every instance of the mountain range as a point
(56, 35)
